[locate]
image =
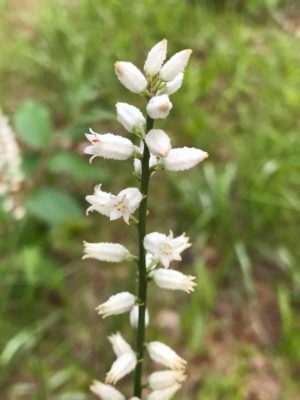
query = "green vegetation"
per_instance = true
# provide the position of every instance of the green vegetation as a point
(240, 102)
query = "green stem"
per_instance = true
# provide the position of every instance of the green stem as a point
(142, 289)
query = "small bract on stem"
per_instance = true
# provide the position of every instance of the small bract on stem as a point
(153, 152)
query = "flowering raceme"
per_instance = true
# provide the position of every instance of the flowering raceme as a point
(152, 151)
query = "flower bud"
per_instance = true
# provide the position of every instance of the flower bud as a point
(110, 252)
(164, 394)
(130, 117)
(175, 65)
(163, 354)
(174, 85)
(121, 367)
(164, 379)
(130, 76)
(155, 58)
(158, 142)
(159, 107)
(183, 158)
(117, 304)
(134, 317)
(173, 280)
(108, 146)
(119, 344)
(106, 392)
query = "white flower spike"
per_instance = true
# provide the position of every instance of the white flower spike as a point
(155, 58)
(121, 367)
(106, 392)
(175, 65)
(130, 76)
(173, 280)
(164, 379)
(164, 394)
(122, 205)
(109, 252)
(117, 304)
(158, 142)
(108, 145)
(134, 317)
(159, 107)
(183, 158)
(119, 344)
(163, 354)
(131, 118)
(166, 248)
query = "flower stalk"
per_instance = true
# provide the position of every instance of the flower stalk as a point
(142, 270)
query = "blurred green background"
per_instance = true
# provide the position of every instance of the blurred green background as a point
(240, 102)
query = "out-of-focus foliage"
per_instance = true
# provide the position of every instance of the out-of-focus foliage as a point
(240, 102)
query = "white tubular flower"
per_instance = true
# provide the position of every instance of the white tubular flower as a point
(175, 65)
(183, 158)
(159, 107)
(158, 142)
(155, 58)
(164, 379)
(108, 145)
(117, 304)
(130, 76)
(106, 392)
(174, 85)
(119, 344)
(134, 398)
(134, 317)
(110, 252)
(164, 394)
(173, 280)
(120, 206)
(121, 367)
(163, 354)
(130, 117)
(166, 248)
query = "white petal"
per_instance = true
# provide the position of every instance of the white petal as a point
(134, 197)
(106, 392)
(163, 354)
(119, 344)
(121, 367)
(110, 252)
(100, 201)
(158, 142)
(164, 394)
(173, 280)
(130, 76)
(155, 58)
(130, 117)
(175, 65)
(117, 304)
(183, 158)
(159, 107)
(163, 379)
(174, 85)
(109, 146)
(134, 317)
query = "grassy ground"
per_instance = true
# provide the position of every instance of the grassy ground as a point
(240, 102)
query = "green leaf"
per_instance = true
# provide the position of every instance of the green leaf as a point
(33, 124)
(75, 166)
(52, 206)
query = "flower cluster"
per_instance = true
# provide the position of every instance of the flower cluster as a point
(157, 251)
(11, 176)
